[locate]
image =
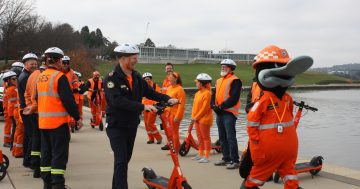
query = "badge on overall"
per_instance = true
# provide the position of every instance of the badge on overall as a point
(110, 85)
(280, 128)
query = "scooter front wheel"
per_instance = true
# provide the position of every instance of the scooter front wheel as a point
(184, 149)
(2, 171)
(6, 161)
(218, 147)
(185, 185)
(276, 177)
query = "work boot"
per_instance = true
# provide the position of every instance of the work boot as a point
(7, 145)
(36, 173)
(232, 165)
(150, 142)
(159, 141)
(60, 186)
(221, 163)
(166, 147)
(204, 160)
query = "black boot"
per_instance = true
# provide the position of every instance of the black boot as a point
(47, 185)
(36, 173)
(60, 186)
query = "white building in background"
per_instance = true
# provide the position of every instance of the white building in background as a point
(174, 55)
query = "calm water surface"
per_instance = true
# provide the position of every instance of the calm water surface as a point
(333, 131)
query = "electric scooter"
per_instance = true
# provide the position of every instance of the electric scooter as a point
(4, 164)
(189, 141)
(98, 121)
(315, 165)
(177, 179)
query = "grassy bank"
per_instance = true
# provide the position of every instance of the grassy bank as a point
(188, 73)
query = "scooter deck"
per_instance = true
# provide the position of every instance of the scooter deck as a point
(160, 181)
(305, 165)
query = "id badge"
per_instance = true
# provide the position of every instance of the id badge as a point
(280, 128)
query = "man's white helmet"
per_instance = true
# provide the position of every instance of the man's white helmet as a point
(18, 64)
(8, 74)
(228, 62)
(29, 56)
(126, 49)
(54, 52)
(42, 67)
(203, 77)
(66, 58)
(78, 74)
(147, 74)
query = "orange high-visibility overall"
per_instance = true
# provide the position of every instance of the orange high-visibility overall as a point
(74, 84)
(13, 109)
(166, 83)
(81, 101)
(150, 117)
(273, 140)
(7, 119)
(94, 108)
(176, 112)
(203, 116)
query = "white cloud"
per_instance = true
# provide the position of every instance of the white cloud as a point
(327, 30)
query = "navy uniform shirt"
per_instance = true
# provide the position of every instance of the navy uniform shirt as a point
(124, 103)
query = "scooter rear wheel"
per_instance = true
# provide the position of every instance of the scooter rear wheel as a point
(6, 161)
(2, 171)
(183, 149)
(276, 177)
(186, 185)
(316, 161)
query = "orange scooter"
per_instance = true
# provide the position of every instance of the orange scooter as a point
(315, 164)
(189, 141)
(4, 164)
(177, 180)
(98, 121)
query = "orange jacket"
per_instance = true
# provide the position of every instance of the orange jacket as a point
(146, 101)
(92, 84)
(5, 103)
(201, 110)
(166, 83)
(52, 113)
(74, 83)
(12, 99)
(263, 120)
(223, 86)
(30, 91)
(177, 92)
(255, 92)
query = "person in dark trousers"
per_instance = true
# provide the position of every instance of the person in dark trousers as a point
(225, 102)
(55, 103)
(30, 61)
(124, 90)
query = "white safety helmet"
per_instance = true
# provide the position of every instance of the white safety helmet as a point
(229, 63)
(29, 56)
(126, 49)
(203, 77)
(147, 74)
(18, 64)
(54, 52)
(42, 67)
(66, 58)
(78, 74)
(8, 74)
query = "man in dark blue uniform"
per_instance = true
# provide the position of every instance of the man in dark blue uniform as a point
(124, 90)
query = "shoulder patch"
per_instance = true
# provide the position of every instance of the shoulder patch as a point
(110, 85)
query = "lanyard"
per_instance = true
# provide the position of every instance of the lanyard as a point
(277, 114)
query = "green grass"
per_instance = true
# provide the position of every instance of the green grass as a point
(188, 72)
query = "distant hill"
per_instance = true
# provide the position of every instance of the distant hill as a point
(350, 71)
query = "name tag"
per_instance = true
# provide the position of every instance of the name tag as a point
(280, 128)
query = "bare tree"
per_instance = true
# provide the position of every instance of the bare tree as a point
(16, 12)
(3, 8)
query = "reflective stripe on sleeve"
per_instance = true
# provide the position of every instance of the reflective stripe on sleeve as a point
(45, 169)
(35, 153)
(57, 171)
(253, 124)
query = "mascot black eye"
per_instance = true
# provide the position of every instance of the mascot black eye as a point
(278, 65)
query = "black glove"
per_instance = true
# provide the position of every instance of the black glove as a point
(249, 106)
(217, 109)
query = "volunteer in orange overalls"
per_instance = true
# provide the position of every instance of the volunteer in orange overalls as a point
(73, 81)
(169, 68)
(176, 112)
(13, 112)
(81, 94)
(150, 117)
(202, 116)
(31, 109)
(7, 119)
(94, 86)
(272, 135)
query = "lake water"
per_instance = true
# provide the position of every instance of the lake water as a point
(333, 131)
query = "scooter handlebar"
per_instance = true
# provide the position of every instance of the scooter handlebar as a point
(302, 104)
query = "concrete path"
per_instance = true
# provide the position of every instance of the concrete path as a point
(91, 166)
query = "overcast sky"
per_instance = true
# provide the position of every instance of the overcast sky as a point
(327, 30)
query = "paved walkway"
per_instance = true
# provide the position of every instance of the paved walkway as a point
(91, 163)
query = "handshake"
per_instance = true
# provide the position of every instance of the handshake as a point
(151, 108)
